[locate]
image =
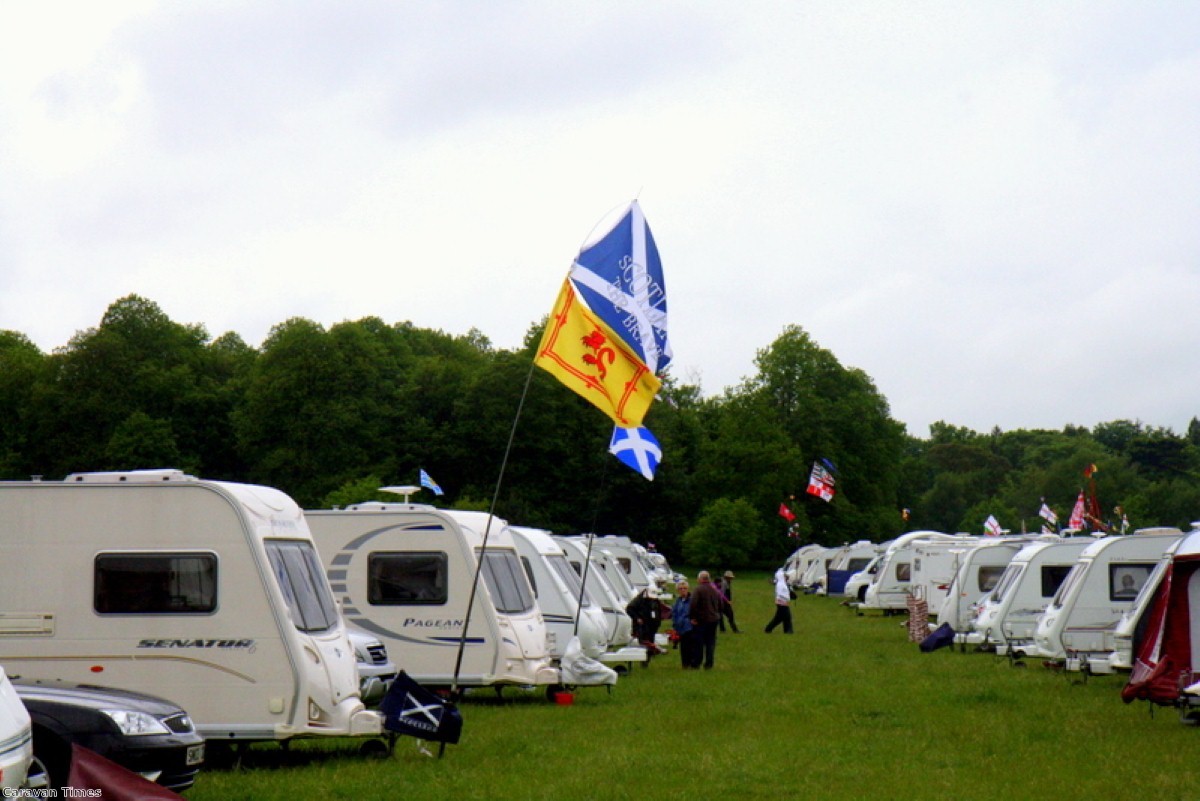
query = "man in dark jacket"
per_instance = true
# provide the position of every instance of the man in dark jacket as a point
(706, 614)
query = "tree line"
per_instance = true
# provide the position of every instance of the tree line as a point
(329, 415)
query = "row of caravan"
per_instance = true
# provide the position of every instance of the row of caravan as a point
(1065, 599)
(233, 602)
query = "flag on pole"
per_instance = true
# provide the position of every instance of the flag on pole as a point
(1047, 514)
(583, 352)
(1076, 520)
(620, 278)
(636, 448)
(820, 482)
(786, 513)
(429, 484)
(991, 527)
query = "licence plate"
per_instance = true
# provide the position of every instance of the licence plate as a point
(195, 754)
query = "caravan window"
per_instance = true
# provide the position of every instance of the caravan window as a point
(301, 579)
(857, 564)
(625, 564)
(155, 583)
(1125, 580)
(559, 563)
(505, 581)
(529, 575)
(1011, 574)
(904, 571)
(408, 578)
(989, 575)
(1052, 578)
(1073, 578)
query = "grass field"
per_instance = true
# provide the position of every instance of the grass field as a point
(845, 708)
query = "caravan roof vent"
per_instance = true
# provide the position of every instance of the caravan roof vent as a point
(130, 477)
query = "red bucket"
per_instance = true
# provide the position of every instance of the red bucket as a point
(564, 699)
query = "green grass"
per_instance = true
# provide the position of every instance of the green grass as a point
(845, 708)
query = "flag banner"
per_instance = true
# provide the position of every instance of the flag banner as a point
(821, 482)
(620, 279)
(637, 449)
(429, 484)
(94, 776)
(410, 709)
(1076, 520)
(786, 513)
(1047, 514)
(582, 352)
(991, 526)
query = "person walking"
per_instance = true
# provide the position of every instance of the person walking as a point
(689, 642)
(726, 587)
(783, 605)
(705, 614)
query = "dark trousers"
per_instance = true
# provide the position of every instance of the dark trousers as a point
(707, 634)
(689, 649)
(783, 614)
(727, 612)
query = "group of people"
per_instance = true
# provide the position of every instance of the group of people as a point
(698, 614)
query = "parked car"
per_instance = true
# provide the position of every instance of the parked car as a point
(16, 738)
(148, 735)
(375, 671)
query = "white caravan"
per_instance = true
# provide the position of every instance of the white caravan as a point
(557, 589)
(405, 573)
(1078, 624)
(621, 648)
(891, 585)
(624, 554)
(1133, 621)
(935, 562)
(845, 562)
(796, 564)
(208, 593)
(978, 573)
(1008, 615)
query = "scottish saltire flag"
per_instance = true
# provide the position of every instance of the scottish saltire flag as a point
(991, 527)
(429, 484)
(636, 448)
(408, 708)
(583, 352)
(821, 482)
(620, 278)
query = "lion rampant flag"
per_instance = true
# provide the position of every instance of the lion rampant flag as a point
(581, 351)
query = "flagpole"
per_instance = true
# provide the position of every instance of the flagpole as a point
(462, 640)
(587, 562)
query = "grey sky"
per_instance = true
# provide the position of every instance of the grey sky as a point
(991, 208)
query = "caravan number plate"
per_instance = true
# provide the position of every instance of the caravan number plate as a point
(195, 754)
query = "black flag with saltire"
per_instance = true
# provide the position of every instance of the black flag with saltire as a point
(410, 709)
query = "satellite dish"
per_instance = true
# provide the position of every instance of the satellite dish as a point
(406, 491)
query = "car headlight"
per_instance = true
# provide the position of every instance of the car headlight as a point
(133, 723)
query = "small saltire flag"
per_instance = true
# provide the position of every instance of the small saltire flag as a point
(429, 484)
(636, 448)
(1076, 520)
(410, 709)
(582, 352)
(821, 482)
(786, 513)
(991, 526)
(1047, 514)
(620, 278)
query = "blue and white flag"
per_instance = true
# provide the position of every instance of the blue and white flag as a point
(637, 448)
(429, 484)
(620, 278)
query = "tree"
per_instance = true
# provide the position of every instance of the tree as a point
(727, 534)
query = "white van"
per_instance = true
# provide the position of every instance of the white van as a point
(207, 593)
(1077, 626)
(406, 573)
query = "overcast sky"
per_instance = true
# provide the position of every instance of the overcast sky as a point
(993, 208)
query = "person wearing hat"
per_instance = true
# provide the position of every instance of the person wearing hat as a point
(645, 610)
(724, 585)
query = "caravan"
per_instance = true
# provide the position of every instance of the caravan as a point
(798, 563)
(207, 593)
(1165, 665)
(891, 586)
(978, 572)
(845, 562)
(622, 649)
(1008, 615)
(406, 573)
(934, 565)
(1077, 626)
